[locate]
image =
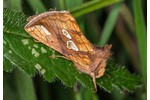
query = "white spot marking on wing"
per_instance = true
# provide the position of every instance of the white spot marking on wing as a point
(66, 34)
(71, 45)
(45, 30)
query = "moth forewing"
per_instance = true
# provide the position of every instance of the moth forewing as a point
(60, 31)
(43, 33)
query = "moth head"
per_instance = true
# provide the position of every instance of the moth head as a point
(107, 52)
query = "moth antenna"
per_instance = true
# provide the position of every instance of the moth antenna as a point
(94, 81)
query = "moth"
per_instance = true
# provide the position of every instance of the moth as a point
(60, 31)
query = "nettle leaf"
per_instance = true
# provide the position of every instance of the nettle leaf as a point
(118, 76)
(21, 51)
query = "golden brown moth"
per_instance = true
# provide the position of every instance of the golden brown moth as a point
(60, 31)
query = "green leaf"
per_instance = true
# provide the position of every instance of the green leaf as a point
(85, 94)
(32, 57)
(91, 6)
(118, 76)
(8, 66)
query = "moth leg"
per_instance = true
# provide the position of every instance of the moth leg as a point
(94, 81)
(59, 56)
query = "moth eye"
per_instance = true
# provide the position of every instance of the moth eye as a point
(71, 45)
(45, 30)
(66, 34)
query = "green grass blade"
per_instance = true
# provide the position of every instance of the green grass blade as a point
(141, 36)
(25, 86)
(37, 6)
(13, 4)
(16, 4)
(126, 14)
(62, 4)
(91, 6)
(109, 25)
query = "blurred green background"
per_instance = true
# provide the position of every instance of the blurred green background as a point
(121, 23)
